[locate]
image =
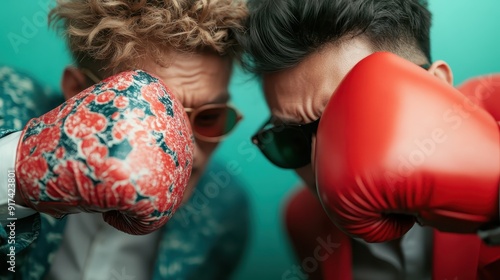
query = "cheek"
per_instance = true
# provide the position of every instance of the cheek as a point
(193, 181)
(307, 175)
(207, 147)
(203, 152)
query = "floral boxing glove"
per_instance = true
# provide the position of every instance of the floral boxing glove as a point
(123, 147)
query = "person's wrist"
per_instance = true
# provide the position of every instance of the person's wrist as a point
(490, 233)
(19, 198)
(490, 237)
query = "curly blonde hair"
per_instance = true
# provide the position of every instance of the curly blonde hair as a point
(122, 33)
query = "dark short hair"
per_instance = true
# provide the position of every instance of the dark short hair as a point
(281, 33)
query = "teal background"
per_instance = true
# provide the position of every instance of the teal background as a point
(465, 33)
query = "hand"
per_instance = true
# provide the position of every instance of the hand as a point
(123, 148)
(395, 145)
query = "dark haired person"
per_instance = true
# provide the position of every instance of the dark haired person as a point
(302, 50)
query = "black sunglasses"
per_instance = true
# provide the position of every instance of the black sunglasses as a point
(289, 146)
(286, 145)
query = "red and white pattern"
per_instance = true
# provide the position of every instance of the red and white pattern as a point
(123, 147)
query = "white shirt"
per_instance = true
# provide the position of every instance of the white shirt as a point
(91, 249)
(8, 146)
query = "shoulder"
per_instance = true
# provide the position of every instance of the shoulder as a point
(22, 98)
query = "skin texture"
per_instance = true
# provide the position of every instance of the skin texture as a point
(299, 94)
(195, 79)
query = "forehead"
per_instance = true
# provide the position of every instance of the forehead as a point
(299, 94)
(196, 79)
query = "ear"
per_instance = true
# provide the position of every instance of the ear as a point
(442, 71)
(73, 82)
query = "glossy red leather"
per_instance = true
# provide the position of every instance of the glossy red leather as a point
(396, 145)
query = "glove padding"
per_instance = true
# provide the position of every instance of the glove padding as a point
(122, 147)
(484, 91)
(396, 145)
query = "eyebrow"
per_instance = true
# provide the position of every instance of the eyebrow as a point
(222, 97)
(281, 121)
(284, 120)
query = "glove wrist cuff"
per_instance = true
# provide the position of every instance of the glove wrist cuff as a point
(490, 237)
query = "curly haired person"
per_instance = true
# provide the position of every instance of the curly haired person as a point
(190, 46)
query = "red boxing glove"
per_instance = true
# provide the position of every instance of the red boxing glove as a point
(123, 147)
(484, 91)
(396, 144)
